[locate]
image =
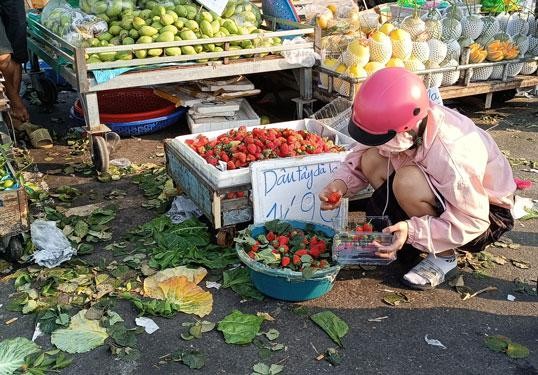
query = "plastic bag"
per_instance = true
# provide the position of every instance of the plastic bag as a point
(71, 24)
(52, 247)
(304, 57)
(340, 16)
(243, 12)
(183, 209)
(107, 9)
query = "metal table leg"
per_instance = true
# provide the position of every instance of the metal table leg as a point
(305, 90)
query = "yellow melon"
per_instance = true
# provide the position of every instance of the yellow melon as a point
(372, 67)
(395, 63)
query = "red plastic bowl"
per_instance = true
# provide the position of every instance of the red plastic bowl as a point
(127, 105)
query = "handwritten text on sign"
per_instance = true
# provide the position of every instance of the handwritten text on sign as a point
(291, 191)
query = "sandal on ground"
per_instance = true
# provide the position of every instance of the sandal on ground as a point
(431, 272)
(39, 137)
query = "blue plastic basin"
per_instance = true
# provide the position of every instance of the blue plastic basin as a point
(285, 284)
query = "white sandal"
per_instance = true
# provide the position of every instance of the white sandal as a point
(432, 273)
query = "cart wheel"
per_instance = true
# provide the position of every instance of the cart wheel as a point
(100, 156)
(225, 236)
(15, 248)
(47, 91)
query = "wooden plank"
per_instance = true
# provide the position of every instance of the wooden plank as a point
(13, 212)
(477, 88)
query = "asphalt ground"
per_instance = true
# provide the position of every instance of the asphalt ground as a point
(392, 345)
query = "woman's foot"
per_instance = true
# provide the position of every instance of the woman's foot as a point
(431, 272)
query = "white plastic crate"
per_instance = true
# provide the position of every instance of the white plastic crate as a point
(245, 116)
(237, 177)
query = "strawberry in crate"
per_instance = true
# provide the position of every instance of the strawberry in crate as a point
(239, 147)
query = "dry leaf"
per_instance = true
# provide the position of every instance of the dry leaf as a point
(151, 284)
(520, 264)
(190, 297)
(265, 316)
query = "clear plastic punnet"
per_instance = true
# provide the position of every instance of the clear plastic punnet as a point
(355, 244)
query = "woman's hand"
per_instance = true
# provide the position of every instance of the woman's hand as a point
(332, 194)
(400, 231)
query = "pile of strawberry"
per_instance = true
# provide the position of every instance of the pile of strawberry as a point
(239, 147)
(289, 248)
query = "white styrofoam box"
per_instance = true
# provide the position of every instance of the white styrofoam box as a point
(223, 179)
(245, 116)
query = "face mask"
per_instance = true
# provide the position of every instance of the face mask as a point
(401, 142)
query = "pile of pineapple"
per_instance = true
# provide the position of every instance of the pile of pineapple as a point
(434, 41)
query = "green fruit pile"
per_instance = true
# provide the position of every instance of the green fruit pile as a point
(176, 20)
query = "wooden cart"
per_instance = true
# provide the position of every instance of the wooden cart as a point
(70, 62)
(13, 203)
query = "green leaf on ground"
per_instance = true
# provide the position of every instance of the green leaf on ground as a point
(333, 356)
(194, 359)
(121, 335)
(236, 276)
(334, 326)
(239, 328)
(81, 336)
(52, 319)
(239, 281)
(13, 352)
(497, 343)
(395, 299)
(517, 351)
(272, 334)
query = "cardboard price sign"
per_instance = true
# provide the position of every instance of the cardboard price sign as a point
(216, 6)
(289, 189)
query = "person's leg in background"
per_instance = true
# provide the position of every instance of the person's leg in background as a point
(13, 53)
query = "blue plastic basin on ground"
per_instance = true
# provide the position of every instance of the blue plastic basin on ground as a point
(285, 284)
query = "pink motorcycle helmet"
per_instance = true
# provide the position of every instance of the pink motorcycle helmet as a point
(390, 101)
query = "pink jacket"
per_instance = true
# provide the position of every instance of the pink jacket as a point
(463, 163)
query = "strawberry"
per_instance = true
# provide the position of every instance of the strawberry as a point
(254, 248)
(367, 227)
(230, 195)
(285, 261)
(334, 197)
(358, 228)
(270, 236)
(283, 240)
(224, 156)
(323, 263)
(315, 252)
(284, 150)
(240, 156)
(230, 165)
(301, 252)
(240, 194)
(252, 149)
(296, 259)
(252, 255)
